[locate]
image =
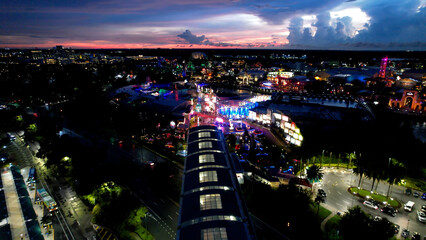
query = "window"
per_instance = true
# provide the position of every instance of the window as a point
(208, 176)
(206, 158)
(214, 234)
(202, 145)
(203, 134)
(210, 201)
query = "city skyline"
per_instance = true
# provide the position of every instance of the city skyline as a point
(304, 24)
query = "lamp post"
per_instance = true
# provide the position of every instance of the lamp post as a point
(322, 158)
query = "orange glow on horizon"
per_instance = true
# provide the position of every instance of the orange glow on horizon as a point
(106, 45)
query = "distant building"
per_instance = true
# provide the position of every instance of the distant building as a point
(419, 74)
(410, 100)
(198, 55)
(250, 77)
(406, 83)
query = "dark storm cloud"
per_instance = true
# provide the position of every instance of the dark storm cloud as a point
(393, 25)
(394, 22)
(194, 39)
(325, 33)
(275, 12)
(191, 38)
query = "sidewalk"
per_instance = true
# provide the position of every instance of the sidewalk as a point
(324, 222)
(16, 218)
(39, 210)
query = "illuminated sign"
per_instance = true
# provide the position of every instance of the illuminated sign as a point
(277, 116)
(172, 125)
(286, 74)
(410, 94)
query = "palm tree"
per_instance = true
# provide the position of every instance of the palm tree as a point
(46, 220)
(374, 171)
(319, 199)
(395, 172)
(360, 169)
(314, 173)
(351, 156)
(380, 176)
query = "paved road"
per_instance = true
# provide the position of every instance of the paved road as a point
(163, 217)
(336, 182)
(74, 212)
(164, 212)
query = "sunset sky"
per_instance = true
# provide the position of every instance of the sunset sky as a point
(279, 24)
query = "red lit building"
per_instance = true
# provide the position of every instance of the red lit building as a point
(410, 100)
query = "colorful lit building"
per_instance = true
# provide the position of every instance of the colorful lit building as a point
(410, 100)
(278, 119)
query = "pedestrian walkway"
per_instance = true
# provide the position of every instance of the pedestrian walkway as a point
(16, 218)
(48, 232)
(324, 222)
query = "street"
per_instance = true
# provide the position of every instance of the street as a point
(67, 221)
(163, 212)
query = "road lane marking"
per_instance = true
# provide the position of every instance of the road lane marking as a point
(109, 236)
(170, 217)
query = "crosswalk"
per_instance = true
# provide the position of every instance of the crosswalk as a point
(105, 234)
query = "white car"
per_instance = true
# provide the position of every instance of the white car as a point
(421, 216)
(370, 204)
(409, 206)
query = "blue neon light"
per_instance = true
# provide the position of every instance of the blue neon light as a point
(237, 112)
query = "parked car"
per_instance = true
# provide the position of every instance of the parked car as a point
(416, 194)
(421, 216)
(407, 191)
(424, 196)
(371, 204)
(405, 233)
(389, 210)
(424, 207)
(322, 193)
(409, 206)
(377, 218)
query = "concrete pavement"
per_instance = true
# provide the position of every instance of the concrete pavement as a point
(324, 222)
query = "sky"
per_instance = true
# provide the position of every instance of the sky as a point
(269, 24)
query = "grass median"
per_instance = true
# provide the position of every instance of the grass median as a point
(380, 198)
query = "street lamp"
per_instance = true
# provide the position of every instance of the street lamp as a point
(322, 158)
